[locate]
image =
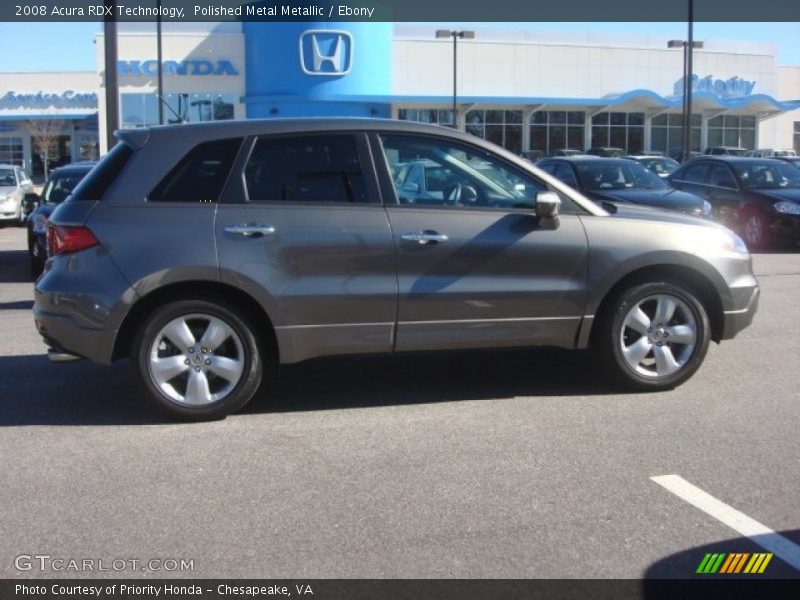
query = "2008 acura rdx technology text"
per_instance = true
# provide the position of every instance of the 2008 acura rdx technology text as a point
(208, 252)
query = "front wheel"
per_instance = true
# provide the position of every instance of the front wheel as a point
(755, 231)
(198, 359)
(654, 336)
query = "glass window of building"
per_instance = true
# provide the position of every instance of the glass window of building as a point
(501, 127)
(427, 115)
(557, 130)
(732, 130)
(141, 110)
(666, 134)
(618, 130)
(11, 151)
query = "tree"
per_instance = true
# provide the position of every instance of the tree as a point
(44, 135)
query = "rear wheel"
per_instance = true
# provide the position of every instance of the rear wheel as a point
(36, 256)
(198, 359)
(654, 336)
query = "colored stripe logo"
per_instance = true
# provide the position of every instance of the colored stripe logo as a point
(734, 562)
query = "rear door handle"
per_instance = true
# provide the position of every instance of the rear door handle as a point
(247, 230)
(425, 237)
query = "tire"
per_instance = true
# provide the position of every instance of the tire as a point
(640, 350)
(195, 381)
(35, 257)
(755, 231)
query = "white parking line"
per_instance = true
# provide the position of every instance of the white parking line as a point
(762, 535)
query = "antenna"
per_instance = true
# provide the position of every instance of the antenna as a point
(180, 119)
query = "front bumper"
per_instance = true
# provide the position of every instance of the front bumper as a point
(739, 318)
(786, 228)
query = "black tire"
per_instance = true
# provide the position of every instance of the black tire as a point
(252, 358)
(36, 262)
(610, 337)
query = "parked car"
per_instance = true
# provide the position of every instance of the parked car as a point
(677, 154)
(759, 197)
(208, 253)
(532, 155)
(567, 152)
(662, 166)
(619, 180)
(14, 184)
(792, 160)
(58, 186)
(607, 152)
(770, 153)
(726, 151)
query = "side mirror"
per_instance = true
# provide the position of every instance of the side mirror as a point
(30, 202)
(548, 205)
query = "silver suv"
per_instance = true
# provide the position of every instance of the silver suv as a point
(208, 253)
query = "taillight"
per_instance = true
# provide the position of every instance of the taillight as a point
(62, 239)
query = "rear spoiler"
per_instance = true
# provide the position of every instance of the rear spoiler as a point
(135, 138)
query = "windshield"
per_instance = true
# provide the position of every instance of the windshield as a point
(662, 166)
(7, 177)
(60, 186)
(618, 175)
(764, 176)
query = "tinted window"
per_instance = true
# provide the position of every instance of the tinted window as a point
(458, 175)
(95, 184)
(694, 174)
(59, 186)
(565, 174)
(200, 175)
(720, 176)
(7, 177)
(321, 168)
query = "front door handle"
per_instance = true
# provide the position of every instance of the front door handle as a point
(425, 237)
(247, 230)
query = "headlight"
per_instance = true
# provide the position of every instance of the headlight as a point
(788, 208)
(39, 224)
(724, 240)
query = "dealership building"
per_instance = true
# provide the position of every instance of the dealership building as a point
(520, 88)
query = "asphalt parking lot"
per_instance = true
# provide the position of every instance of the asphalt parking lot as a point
(515, 464)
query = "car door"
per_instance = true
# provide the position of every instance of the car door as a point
(479, 269)
(301, 228)
(692, 178)
(722, 191)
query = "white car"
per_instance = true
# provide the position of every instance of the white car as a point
(14, 184)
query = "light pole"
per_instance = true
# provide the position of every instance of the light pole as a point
(688, 46)
(456, 35)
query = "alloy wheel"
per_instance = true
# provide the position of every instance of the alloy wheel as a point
(196, 359)
(754, 231)
(658, 336)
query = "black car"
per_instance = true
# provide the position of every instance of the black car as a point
(618, 180)
(59, 185)
(759, 197)
(662, 166)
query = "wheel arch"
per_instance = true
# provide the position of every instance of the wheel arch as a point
(194, 289)
(706, 290)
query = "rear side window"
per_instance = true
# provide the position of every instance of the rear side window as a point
(99, 179)
(315, 168)
(695, 174)
(200, 176)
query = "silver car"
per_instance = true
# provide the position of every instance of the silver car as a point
(209, 253)
(14, 185)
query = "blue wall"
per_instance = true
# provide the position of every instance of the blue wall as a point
(276, 85)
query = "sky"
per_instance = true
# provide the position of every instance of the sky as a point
(70, 46)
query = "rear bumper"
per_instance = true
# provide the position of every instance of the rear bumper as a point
(63, 334)
(741, 317)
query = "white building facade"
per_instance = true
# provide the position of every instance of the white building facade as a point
(521, 88)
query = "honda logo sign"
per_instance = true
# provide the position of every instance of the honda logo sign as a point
(326, 52)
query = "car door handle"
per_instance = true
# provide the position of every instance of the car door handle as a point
(250, 230)
(425, 237)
